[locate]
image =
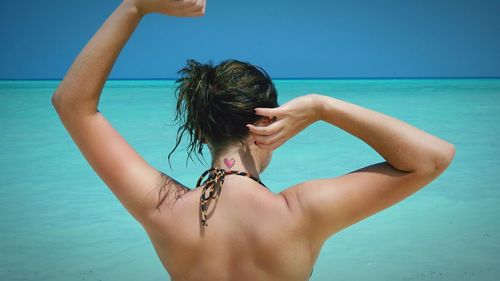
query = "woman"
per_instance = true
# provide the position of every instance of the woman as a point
(231, 226)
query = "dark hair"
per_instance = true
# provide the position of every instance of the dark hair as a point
(214, 104)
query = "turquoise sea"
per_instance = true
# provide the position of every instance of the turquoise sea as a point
(60, 222)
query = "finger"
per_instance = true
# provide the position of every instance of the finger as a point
(268, 139)
(201, 4)
(194, 9)
(265, 130)
(271, 146)
(194, 14)
(182, 4)
(177, 8)
(269, 112)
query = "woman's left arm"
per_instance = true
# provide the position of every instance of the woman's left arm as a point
(124, 171)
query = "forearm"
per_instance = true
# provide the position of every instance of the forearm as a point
(402, 145)
(82, 85)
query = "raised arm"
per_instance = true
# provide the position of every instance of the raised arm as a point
(134, 182)
(405, 147)
(414, 159)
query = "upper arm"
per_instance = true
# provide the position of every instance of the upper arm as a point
(330, 205)
(136, 184)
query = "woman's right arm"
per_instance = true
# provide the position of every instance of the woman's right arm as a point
(414, 159)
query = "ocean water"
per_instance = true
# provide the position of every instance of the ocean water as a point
(60, 222)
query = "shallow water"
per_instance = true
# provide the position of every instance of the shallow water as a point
(59, 221)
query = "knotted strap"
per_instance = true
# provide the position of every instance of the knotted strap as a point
(213, 184)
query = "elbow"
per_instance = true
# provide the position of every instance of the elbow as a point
(438, 161)
(69, 104)
(444, 158)
(55, 100)
(59, 103)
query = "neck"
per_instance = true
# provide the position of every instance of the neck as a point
(238, 158)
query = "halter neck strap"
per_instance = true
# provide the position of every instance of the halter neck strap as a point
(213, 184)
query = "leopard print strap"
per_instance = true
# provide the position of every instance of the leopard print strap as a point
(213, 184)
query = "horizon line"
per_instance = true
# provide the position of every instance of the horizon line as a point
(290, 78)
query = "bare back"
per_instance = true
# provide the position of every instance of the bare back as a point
(252, 234)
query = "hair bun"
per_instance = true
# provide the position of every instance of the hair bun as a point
(215, 103)
(200, 80)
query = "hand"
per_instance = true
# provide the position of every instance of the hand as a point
(289, 119)
(179, 8)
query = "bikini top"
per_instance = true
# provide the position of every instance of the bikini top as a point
(213, 184)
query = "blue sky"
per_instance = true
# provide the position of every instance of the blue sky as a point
(322, 38)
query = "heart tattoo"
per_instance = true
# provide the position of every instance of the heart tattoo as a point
(229, 162)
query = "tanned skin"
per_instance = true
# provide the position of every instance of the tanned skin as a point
(253, 233)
